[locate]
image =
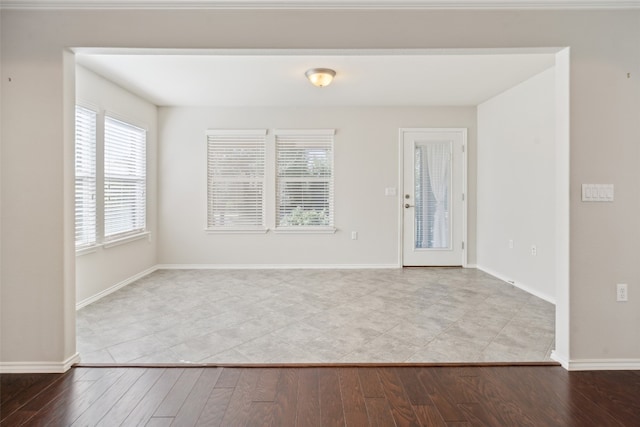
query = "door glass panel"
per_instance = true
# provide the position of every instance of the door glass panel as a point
(432, 191)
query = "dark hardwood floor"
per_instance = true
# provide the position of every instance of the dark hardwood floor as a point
(322, 396)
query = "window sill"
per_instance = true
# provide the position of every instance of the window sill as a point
(236, 231)
(305, 230)
(87, 250)
(126, 239)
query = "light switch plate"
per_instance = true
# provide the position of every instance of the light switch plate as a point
(597, 192)
(390, 191)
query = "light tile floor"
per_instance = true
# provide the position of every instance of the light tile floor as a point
(322, 316)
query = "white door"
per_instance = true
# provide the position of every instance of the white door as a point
(433, 203)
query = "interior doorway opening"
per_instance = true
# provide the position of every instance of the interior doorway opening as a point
(561, 165)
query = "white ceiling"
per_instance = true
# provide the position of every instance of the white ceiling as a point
(408, 79)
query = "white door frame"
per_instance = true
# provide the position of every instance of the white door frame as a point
(401, 191)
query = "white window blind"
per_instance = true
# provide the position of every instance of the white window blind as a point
(124, 179)
(304, 178)
(236, 178)
(85, 177)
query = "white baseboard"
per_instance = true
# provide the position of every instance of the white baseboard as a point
(604, 365)
(274, 266)
(560, 359)
(114, 288)
(597, 364)
(470, 266)
(39, 367)
(522, 286)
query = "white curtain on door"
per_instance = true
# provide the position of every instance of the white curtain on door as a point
(438, 156)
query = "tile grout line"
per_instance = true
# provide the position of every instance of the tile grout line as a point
(402, 285)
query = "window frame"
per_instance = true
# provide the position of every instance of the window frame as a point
(99, 166)
(301, 134)
(251, 136)
(141, 178)
(92, 174)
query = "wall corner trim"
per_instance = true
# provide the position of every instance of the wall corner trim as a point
(604, 365)
(560, 359)
(85, 302)
(39, 367)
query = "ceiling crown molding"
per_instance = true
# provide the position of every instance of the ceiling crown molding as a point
(319, 4)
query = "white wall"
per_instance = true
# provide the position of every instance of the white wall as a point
(516, 182)
(366, 161)
(105, 267)
(37, 249)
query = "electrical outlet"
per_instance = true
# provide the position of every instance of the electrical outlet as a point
(511, 244)
(534, 250)
(354, 235)
(621, 292)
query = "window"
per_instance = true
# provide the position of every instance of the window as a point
(304, 178)
(124, 179)
(85, 177)
(110, 203)
(432, 179)
(236, 180)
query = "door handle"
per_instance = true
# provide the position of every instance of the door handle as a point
(407, 206)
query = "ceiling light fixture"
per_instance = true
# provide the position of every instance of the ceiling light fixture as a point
(320, 76)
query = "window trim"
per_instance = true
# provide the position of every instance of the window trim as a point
(125, 239)
(89, 246)
(134, 234)
(101, 242)
(270, 198)
(254, 229)
(311, 229)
